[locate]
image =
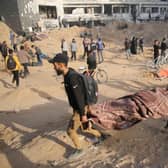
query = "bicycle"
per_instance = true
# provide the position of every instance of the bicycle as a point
(99, 74)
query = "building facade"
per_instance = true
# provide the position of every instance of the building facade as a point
(25, 14)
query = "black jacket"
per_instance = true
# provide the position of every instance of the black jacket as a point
(156, 50)
(91, 61)
(75, 91)
(163, 46)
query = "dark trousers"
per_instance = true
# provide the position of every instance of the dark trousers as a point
(100, 56)
(156, 58)
(141, 49)
(15, 77)
(73, 55)
(86, 53)
(26, 70)
(163, 53)
(39, 60)
(65, 52)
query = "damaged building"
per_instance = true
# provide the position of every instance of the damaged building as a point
(27, 14)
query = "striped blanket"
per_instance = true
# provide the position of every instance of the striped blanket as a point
(126, 111)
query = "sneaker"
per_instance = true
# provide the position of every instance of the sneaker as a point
(76, 154)
(101, 139)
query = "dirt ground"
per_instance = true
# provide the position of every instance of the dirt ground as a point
(34, 117)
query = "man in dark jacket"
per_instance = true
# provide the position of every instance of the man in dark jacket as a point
(4, 49)
(74, 88)
(163, 47)
(156, 48)
(141, 44)
(91, 61)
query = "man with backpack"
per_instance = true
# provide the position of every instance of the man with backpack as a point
(13, 65)
(100, 47)
(75, 89)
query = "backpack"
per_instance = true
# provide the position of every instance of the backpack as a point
(93, 46)
(11, 64)
(91, 89)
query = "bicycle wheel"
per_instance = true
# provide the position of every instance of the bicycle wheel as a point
(101, 76)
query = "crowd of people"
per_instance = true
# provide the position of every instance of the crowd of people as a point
(25, 55)
(159, 49)
(18, 56)
(134, 46)
(93, 51)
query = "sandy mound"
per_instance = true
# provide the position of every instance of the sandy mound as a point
(4, 30)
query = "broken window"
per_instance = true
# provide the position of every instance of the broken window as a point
(108, 9)
(97, 10)
(145, 10)
(88, 10)
(116, 10)
(162, 10)
(124, 9)
(155, 10)
(68, 10)
(48, 12)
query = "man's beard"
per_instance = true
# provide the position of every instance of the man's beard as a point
(59, 72)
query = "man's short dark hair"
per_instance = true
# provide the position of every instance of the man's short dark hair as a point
(10, 51)
(22, 47)
(59, 58)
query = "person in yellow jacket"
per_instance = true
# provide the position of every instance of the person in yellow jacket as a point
(13, 67)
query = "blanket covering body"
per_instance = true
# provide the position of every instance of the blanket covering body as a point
(126, 111)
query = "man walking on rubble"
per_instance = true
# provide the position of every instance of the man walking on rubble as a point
(74, 88)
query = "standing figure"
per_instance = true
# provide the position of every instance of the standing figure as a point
(4, 49)
(85, 47)
(156, 48)
(100, 47)
(141, 44)
(134, 46)
(64, 47)
(127, 45)
(163, 47)
(12, 38)
(73, 49)
(13, 65)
